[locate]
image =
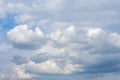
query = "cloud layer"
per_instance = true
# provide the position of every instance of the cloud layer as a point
(59, 39)
(68, 51)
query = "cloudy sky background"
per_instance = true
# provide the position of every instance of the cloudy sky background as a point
(59, 40)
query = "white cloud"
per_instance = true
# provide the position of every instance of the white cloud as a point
(22, 75)
(102, 40)
(50, 49)
(47, 67)
(95, 32)
(75, 53)
(115, 39)
(67, 35)
(70, 68)
(23, 37)
(70, 48)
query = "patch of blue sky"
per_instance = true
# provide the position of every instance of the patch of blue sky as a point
(6, 24)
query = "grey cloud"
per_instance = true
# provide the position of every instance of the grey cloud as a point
(19, 60)
(100, 44)
(39, 58)
(104, 64)
(89, 12)
(101, 12)
(60, 60)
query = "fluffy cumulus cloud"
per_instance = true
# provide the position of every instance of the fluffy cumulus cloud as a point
(69, 51)
(21, 73)
(65, 51)
(54, 68)
(59, 39)
(23, 37)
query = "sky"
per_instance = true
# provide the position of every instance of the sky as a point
(59, 39)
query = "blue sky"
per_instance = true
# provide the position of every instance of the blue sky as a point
(59, 39)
